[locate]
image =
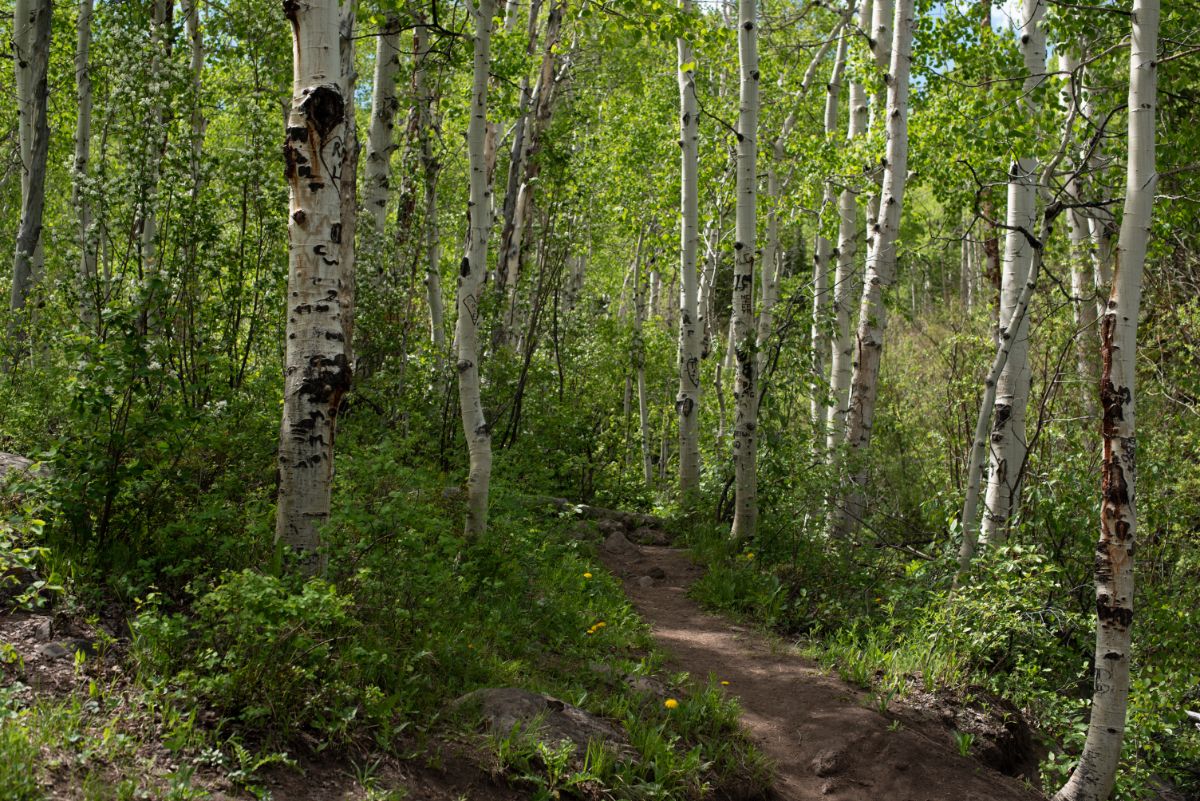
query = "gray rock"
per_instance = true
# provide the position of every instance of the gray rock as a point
(645, 582)
(657, 573)
(556, 721)
(618, 544)
(827, 762)
(650, 536)
(42, 630)
(54, 650)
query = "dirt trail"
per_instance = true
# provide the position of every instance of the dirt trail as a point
(825, 738)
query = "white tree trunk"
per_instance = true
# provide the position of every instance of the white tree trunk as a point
(639, 360)
(1093, 777)
(881, 268)
(317, 372)
(380, 138)
(979, 442)
(349, 184)
(745, 392)
(156, 138)
(845, 283)
(1008, 446)
(1083, 291)
(89, 292)
(687, 402)
(819, 340)
(433, 250)
(470, 281)
(196, 45)
(31, 45)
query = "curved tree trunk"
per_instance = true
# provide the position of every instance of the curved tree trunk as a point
(687, 402)
(317, 372)
(881, 268)
(31, 40)
(470, 281)
(1093, 777)
(1012, 390)
(745, 391)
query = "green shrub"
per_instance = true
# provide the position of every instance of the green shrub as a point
(273, 657)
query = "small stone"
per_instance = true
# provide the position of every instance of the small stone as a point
(829, 788)
(657, 573)
(827, 762)
(42, 630)
(645, 582)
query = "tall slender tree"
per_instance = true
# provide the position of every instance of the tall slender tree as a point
(1008, 445)
(881, 269)
(471, 276)
(316, 370)
(1094, 775)
(31, 50)
(687, 402)
(745, 391)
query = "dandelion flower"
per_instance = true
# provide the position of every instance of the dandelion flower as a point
(724, 684)
(587, 575)
(601, 624)
(670, 703)
(750, 555)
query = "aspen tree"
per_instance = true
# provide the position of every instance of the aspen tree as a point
(1008, 446)
(349, 186)
(823, 252)
(1082, 288)
(380, 138)
(745, 390)
(687, 402)
(471, 276)
(429, 165)
(317, 371)
(881, 268)
(161, 11)
(1094, 775)
(31, 47)
(844, 283)
(89, 293)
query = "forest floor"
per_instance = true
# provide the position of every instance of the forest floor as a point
(827, 738)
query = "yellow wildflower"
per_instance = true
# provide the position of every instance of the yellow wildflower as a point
(587, 575)
(670, 703)
(601, 624)
(724, 684)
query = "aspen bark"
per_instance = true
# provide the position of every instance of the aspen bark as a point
(349, 184)
(687, 401)
(470, 281)
(1008, 446)
(845, 274)
(429, 166)
(824, 254)
(1094, 775)
(317, 372)
(31, 47)
(157, 139)
(89, 292)
(881, 268)
(639, 360)
(745, 391)
(1082, 289)
(380, 137)
(196, 45)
